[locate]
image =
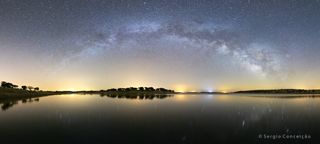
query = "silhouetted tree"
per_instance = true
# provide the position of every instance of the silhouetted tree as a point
(30, 88)
(149, 89)
(138, 90)
(24, 87)
(36, 88)
(113, 89)
(15, 86)
(133, 89)
(141, 88)
(8, 85)
(3, 84)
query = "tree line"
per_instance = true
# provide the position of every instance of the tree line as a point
(139, 89)
(5, 84)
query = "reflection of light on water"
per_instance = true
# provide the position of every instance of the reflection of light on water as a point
(180, 97)
(299, 100)
(223, 98)
(70, 95)
(71, 100)
(243, 123)
(136, 102)
(209, 96)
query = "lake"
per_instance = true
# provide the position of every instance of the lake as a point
(179, 118)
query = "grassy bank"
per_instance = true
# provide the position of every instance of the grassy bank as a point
(7, 93)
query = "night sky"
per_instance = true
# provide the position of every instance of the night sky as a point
(186, 45)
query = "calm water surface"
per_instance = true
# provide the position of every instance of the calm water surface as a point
(174, 119)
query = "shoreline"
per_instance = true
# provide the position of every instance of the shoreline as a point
(9, 93)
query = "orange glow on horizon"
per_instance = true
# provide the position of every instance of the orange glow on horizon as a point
(181, 88)
(79, 84)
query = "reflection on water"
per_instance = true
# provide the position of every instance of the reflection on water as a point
(8, 103)
(285, 96)
(159, 119)
(140, 96)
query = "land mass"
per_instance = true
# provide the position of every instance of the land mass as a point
(281, 91)
(10, 91)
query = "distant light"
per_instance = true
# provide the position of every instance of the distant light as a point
(209, 90)
(209, 96)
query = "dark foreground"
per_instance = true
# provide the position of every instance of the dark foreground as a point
(161, 119)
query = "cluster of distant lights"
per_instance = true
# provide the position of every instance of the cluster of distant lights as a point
(206, 90)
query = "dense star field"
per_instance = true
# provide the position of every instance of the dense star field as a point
(185, 45)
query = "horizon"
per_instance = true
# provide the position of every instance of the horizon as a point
(193, 46)
(176, 88)
(179, 91)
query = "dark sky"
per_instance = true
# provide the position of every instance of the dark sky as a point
(180, 44)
